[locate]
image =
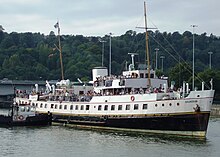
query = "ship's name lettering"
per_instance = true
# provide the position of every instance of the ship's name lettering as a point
(191, 101)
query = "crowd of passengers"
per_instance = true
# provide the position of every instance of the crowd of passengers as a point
(57, 96)
(70, 96)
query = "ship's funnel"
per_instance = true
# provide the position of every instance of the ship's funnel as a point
(99, 72)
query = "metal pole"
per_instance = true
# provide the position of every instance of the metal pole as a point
(147, 49)
(156, 49)
(193, 79)
(103, 50)
(110, 54)
(210, 59)
(59, 48)
(162, 57)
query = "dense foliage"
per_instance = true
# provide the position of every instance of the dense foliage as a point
(31, 56)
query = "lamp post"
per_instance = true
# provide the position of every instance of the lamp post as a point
(193, 79)
(162, 57)
(156, 49)
(210, 59)
(103, 49)
(110, 53)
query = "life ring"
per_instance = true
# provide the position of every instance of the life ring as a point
(20, 117)
(132, 98)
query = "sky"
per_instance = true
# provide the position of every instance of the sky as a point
(100, 17)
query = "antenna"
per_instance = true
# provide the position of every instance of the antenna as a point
(132, 57)
(193, 79)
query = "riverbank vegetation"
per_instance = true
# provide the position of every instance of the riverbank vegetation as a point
(33, 56)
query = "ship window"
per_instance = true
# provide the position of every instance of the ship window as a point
(32, 109)
(144, 106)
(87, 107)
(82, 107)
(119, 107)
(81, 92)
(28, 109)
(22, 109)
(151, 75)
(127, 107)
(113, 107)
(55, 106)
(106, 107)
(162, 104)
(41, 105)
(65, 107)
(100, 107)
(141, 75)
(60, 107)
(76, 108)
(155, 105)
(33, 104)
(71, 107)
(135, 106)
(170, 104)
(178, 104)
(36, 105)
(51, 106)
(45, 106)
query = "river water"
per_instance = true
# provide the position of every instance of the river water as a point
(60, 141)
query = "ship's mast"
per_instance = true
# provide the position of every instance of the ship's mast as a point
(59, 49)
(147, 49)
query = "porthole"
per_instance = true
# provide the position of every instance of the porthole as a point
(162, 104)
(178, 104)
(155, 105)
(170, 104)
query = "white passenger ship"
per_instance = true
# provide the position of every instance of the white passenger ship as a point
(135, 101)
(126, 103)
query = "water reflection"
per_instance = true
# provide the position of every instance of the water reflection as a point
(55, 141)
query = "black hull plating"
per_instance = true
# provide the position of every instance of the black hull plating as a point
(185, 122)
(38, 120)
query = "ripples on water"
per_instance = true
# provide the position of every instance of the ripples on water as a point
(58, 141)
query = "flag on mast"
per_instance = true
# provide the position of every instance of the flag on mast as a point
(56, 25)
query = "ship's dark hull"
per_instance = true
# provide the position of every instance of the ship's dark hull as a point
(37, 120)
(178, 123)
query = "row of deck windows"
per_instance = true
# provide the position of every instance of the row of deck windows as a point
(100, 107)
(106, 107)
